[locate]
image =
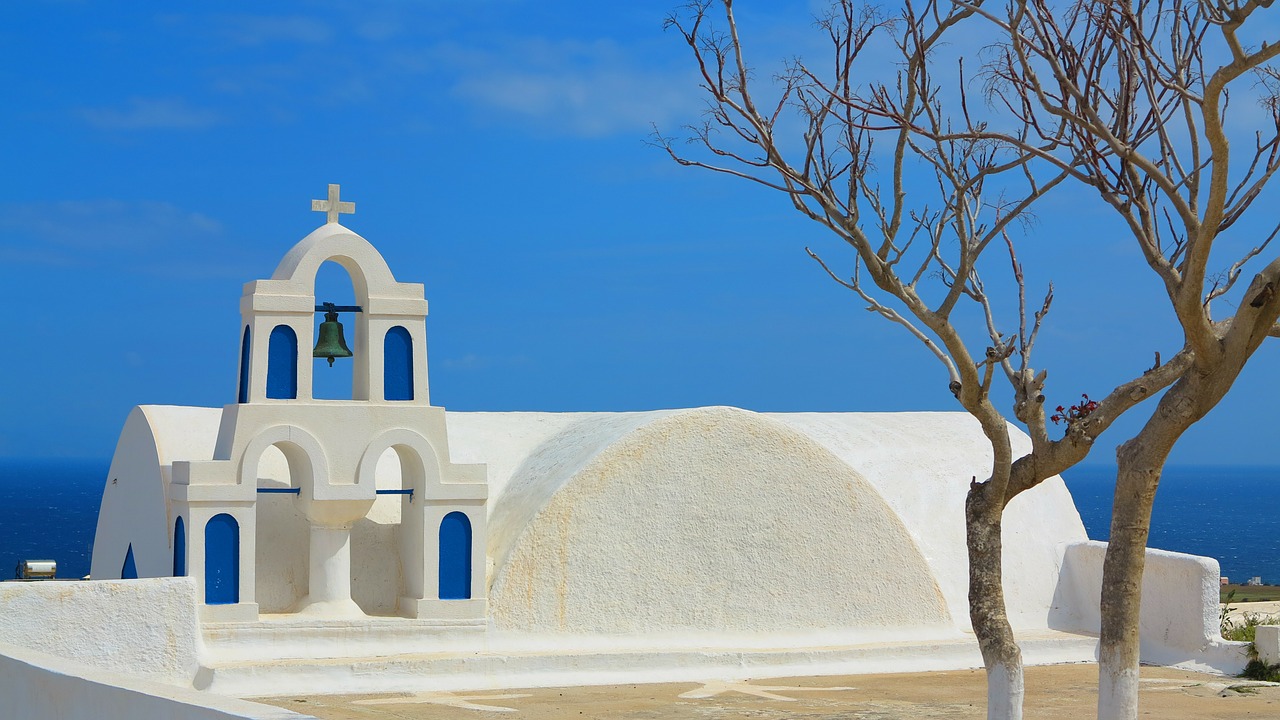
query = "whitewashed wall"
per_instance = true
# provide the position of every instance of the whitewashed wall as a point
(147, 628)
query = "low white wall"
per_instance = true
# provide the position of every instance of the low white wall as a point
(1179, 622)
(147, 628)
(38, 686)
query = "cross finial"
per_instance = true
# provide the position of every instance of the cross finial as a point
(333, 207)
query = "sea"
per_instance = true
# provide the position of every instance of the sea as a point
(49, 510)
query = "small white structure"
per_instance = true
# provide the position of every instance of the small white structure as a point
(324, 538)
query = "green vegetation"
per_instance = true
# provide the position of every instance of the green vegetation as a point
(1250, 593)
(1245, 629)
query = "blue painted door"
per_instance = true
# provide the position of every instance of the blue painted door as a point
(397, 365)
(282, 363)
(130, 569)
(455, 557)
(179, 548)
(222, 560)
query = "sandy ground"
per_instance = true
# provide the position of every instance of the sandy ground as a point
(1068, 692)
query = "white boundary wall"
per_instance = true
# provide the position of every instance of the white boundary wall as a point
(1179, 625)
(147, 628)
(37, 686)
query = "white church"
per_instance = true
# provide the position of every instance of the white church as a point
(287, 544)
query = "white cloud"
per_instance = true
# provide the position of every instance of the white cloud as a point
(149, 114)
(587, 89)
(254, 30)
(102, 232)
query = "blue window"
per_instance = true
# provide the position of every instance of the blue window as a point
(397, 365)
(130, 569)
(244, 368)
(455, 557)
(282, 363)
(222, 560)
(179, 548)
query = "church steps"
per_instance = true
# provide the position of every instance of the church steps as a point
(494, 668)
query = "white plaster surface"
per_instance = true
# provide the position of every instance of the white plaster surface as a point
(135, 494)
(39, 686)
(1179, 612)
(147, 628)
(1267, 641)
(714, 520)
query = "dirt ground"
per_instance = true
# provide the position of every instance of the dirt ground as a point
(1068, 692)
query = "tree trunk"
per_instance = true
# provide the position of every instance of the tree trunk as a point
(1122, 587)
(1000, 653)
(1140, 461)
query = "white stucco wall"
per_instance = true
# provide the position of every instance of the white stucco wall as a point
(147, 628)
(135, 505)
(704, 521)
(39, 686)
(922, 463)
(1179, 613)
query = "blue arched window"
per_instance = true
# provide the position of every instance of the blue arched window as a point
(282, 363)
(455, 557)
(130, 569)
(244, 368)
(222, 560)
(179, 548)
(397, 365)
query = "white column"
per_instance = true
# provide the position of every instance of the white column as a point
(330, 582)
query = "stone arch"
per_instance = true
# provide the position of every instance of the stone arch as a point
(367, 268)
(286, 456)
(420, 472)
(305, 455)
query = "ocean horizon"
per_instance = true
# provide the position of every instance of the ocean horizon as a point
(49, 511)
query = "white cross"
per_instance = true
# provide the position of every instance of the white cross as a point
(333, 207)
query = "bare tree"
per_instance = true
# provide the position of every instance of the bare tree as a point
(1133, 99)
(878, 161)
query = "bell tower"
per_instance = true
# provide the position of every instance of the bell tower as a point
(387, 343)
(434, 565)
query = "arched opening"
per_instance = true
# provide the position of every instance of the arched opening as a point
(283, 534)
(397, 365)
(222, 560)
(282, 363)
(333, 284)
(243, 393)
(179, 548)
(377, 555)
(130, 569)
(455, 557)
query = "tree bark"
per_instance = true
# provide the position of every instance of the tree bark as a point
(1140, 462)
(1000, 653)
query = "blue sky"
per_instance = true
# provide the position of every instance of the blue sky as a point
(159, 156)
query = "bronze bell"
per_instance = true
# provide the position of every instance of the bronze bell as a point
(331, 344)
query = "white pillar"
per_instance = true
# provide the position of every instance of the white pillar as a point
(330, 581)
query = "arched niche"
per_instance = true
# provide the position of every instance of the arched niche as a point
(222, 560)
(242, 395)
(282, 363)
(455, 557)
(388, 546)
(179, 548)
(397, 368)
